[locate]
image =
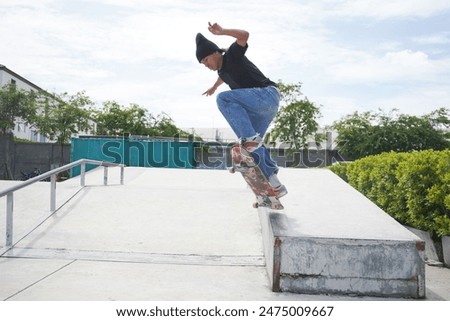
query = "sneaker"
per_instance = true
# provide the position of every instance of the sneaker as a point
(251, 144)
(281, 191)
(279, 188)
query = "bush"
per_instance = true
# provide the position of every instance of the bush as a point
(340, 169)
(414, 188)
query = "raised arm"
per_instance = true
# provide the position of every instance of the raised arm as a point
(240, 35)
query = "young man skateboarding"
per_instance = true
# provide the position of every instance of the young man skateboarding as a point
(251, 104)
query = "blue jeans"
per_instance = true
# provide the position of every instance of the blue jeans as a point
(249, 111)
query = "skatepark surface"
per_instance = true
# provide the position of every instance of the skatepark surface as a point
(166, 234)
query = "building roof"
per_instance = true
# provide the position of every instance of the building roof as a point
(12, 73)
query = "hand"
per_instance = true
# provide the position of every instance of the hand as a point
(210, 91)
(215, 28)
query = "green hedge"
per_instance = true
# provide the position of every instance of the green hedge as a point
(414, 188)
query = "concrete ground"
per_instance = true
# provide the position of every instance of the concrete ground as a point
(165, 235)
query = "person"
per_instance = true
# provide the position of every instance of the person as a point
(251, 104)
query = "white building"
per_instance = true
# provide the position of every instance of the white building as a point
(21, 129)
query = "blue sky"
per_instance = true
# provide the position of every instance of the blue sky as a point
(349, 55)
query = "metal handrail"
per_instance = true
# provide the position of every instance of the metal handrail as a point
(9, 192)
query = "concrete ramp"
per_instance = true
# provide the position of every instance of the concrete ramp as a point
(193, 235)
(332, 239)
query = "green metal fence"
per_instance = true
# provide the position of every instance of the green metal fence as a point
(133, 152)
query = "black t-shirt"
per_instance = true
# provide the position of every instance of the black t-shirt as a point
(239, 72)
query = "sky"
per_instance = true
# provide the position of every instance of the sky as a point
(349, 55)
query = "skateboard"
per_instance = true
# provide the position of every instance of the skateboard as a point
(244, 163)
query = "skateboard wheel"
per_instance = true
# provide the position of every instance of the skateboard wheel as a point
(255, 205)
(232, 170)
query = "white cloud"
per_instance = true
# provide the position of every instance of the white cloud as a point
(144, 51)
(419, 100)
(38, 4)
(439, 39)
(399, 66)
(384, 9)
(334, 107)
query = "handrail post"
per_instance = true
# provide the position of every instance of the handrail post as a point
(105, 175)
(9, 218)
(9, 192)
(53, 193)
(82, 172)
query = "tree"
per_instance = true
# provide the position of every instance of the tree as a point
(15, 104)
(62, 116)
(296, 120)
(115, 119)
(353, 134)
(372, 133)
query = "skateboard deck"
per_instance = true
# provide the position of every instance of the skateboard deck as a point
(244, 163)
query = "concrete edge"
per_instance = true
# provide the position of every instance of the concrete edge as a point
(275, 223)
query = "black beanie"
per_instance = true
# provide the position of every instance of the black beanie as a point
(204, 47)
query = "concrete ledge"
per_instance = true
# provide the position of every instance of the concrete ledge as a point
(431, 257)
(446, 250)
(315, 249)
